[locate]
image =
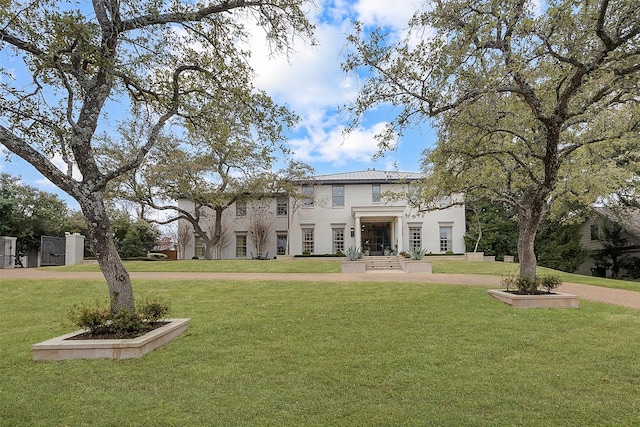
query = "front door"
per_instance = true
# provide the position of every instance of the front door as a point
(375, 235)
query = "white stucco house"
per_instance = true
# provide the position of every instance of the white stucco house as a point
(339, 211)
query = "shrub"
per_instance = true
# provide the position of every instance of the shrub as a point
(353, 254)
(550, 282)
(418, 254)
(526, 285)
(101, 320)
(93, 318)
(156, 255)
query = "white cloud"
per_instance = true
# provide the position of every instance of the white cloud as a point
(386, 13)
(311, 77)
(331, 145)
(312, 84)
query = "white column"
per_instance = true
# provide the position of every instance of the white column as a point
(358, 232)
(74, 249)
(399, 233)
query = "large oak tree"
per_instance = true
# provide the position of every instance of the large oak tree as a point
(534, 107)
(67, 64)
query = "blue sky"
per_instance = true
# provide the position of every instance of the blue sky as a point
(311, 83)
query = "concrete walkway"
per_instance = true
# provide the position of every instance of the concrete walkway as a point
(587, 292)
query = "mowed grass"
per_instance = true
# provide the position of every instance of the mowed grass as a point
(327, 354)
(234, 266)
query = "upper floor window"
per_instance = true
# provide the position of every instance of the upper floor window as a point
(595, 232)
(241, 208)
(445, 201)
(375, 193)
(281, 207)
(307, 195)
(337, 194)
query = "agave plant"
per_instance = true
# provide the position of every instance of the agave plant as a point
(353, 254)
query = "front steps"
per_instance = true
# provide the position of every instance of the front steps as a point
(379, 263)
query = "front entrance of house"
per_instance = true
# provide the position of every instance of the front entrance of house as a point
(375, 236)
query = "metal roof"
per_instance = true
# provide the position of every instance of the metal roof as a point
(367, 176)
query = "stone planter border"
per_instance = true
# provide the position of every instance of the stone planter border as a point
(62, 348)
(416, 266)
(353, 266)
(555, 300)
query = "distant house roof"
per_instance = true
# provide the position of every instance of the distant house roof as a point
(629, 219)
(370, 176)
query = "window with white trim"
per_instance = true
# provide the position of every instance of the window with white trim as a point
(446, 238)
(337, 196)
(199, 247)
(307, 195)
(281, 239)
(241, 208)
(415, 238)
(307, 240)
(281, 206)
(241, 245)
(375, 193)
(338, 240)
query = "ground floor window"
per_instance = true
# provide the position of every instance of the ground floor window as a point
(338, 240)
(282, 244)
(241, 245)
(307, 240)
(415, 238)
(199, 247)
(446, 239)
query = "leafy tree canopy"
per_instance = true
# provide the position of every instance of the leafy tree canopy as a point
(164, 59)
(536, 107)
(28, 213)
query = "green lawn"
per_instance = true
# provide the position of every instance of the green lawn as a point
(505, 269)
(246, 266)
(327, 354)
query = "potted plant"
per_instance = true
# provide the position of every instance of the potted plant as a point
(365, 248)
(353, 264)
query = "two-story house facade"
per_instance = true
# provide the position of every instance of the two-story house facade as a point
(351, 210)
(334, 212)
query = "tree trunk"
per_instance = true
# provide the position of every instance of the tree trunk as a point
(118, 280)
(530, 214)
(209, 249)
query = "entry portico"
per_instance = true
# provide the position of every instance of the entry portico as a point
(381, 226)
